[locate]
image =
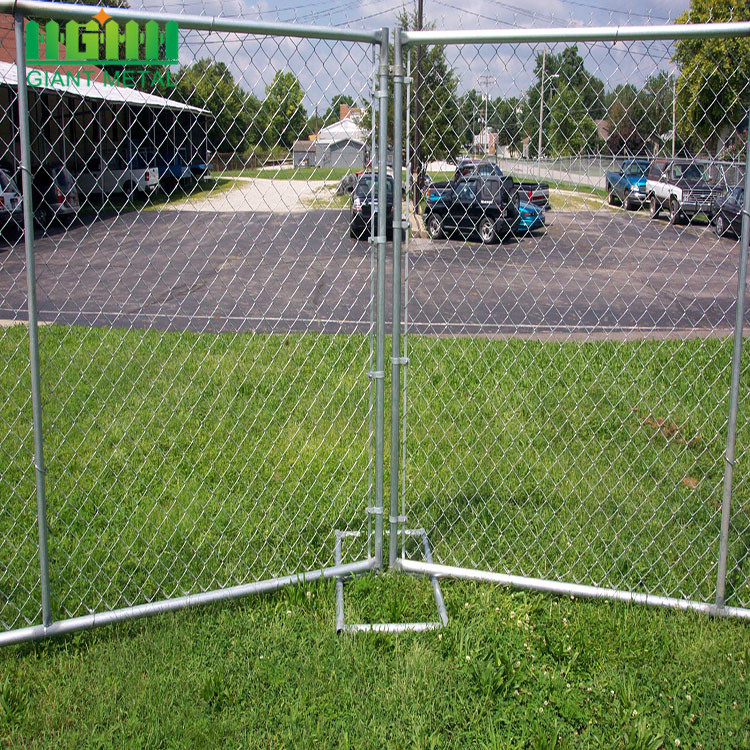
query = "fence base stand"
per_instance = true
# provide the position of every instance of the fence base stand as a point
(388, 627)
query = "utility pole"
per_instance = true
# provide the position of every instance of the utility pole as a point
(417, 168)
(674, 113)
(541, 114)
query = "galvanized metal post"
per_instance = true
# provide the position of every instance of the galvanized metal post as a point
(405, 252)
(371, 320)
(36, 397)
(721, 576)
(379, 374)
(397, 362)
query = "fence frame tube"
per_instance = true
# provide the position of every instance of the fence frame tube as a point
(567, 589)
(86, 622)
(397, 361)
(198, 23)
(726, 504)
(36, 392)
(567, 35)
(380, 240)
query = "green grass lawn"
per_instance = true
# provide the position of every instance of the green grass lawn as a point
(512, 670)
(179, 462)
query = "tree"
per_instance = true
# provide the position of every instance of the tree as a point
(712, 88)
(506, 119)
(314, 124)
(627, 121)
(283, 111)
(332, 114)
(564, 70)
(236, 124)
(440, 127)
(438, 134)
(470, 114)
(572, 130)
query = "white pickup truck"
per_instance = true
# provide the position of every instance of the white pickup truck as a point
(113, 174)
(680, 187)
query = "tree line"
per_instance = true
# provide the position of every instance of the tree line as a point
(706, 95)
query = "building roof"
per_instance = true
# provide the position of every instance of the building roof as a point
(345, 139)
(93, 90)
(342, 130)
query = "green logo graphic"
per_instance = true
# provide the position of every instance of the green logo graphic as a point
(100, 41)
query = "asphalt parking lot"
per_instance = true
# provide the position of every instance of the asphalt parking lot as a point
(589, 275)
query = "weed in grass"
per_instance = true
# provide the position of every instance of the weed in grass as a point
(215, 690)
(11, 702)
(493, 675)
(642, 735)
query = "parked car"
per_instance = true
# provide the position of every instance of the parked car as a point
(487, 206)
(54, 194)
(681, 187)
(117, 174)
(728, 212)
(532, 192)
(530, 217)
(628, 185)
(11, 206)
(364, 204)
(535, 192)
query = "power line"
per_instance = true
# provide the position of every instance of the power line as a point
(607, 45)
(615, 10)
(336, 8)
(523, 11)
(474, 13)
(372, 15)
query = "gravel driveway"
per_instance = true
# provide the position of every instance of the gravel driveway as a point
(255, 194)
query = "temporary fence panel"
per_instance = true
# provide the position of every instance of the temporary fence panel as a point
(193, 359)
(204, 359)
(568, 383)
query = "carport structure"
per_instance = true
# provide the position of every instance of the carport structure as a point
(78, 117)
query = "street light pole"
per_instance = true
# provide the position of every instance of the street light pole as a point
(486, 81)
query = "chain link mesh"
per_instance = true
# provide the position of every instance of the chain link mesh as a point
(206, 296)
(207, 325)
(568, 381)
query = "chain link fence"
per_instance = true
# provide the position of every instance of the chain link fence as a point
(193, 280)
(569, 370)
(205, 334)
